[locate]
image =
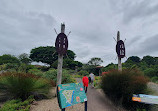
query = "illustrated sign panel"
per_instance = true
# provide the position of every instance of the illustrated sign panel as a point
(61, 44)
(120, 49)
(148, 99)
(70, 94)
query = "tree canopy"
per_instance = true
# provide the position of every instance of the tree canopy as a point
(95, 61)
(134, 59)
(48, 54)
(7, 58)
(24, 58)
(149, 60)
(148, 65)
(68, 63)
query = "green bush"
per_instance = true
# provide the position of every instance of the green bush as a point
(77, 76)
(150, 72)
(66, 76)
(22, 85)
(44, 68)
(120, 86)
(17, 105)
(36, 72)
(83, 72)
(154, 79)
(51, 74)
(97, 81)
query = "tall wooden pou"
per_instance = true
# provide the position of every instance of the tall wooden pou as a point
(61, 46)
(120, 50)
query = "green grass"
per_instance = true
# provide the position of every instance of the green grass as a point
(17, 105)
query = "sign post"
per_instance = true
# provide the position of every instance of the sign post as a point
(61, 46)
(147, 99)
(71, 94)
(120, 50)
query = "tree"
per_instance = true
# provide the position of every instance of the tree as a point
(7, 58)
(95, 61)
(68, 63)
(109, 67)
(149, 60)
(48, 54)
(150, 72)
(24, 58)
(134, 59)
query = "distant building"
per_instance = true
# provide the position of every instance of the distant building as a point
(98, 70)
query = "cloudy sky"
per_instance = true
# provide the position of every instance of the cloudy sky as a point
(26, 24)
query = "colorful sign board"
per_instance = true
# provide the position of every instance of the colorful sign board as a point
(148, 99)
(70, 94)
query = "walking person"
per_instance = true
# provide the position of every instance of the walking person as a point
(85, 83)
(92, 79)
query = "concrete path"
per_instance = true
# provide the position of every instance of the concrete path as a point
(97, 101)
(154, 87)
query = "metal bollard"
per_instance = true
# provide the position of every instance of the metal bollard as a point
(85, 105)
(63, 109)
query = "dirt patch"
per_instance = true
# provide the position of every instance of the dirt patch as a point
(52, 104)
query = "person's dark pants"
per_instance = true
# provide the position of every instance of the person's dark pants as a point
(85, 88)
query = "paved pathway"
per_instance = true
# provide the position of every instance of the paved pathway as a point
(153, 87)
(97, 101)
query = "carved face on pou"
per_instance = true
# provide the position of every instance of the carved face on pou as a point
(120, 49)
(61, 43)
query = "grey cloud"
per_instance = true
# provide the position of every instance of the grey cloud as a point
(134, 40)
(139, 10)
(22, 31)
(27, 24)
(145, 47)
(150, 45)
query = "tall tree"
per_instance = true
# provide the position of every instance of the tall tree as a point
(68, 63)
(24, 58)
(95, 61)
(149, 60)
(48, 54)
(134, 59)
(7, 58)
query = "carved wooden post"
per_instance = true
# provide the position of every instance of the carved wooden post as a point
(119, 58)
(60, 61)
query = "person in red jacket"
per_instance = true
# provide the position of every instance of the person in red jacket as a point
(85, 83)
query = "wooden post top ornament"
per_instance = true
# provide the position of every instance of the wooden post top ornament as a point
(61, 43)
(120, 47)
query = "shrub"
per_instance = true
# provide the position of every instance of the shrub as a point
(36, 72)
(66, 76)
(150, 72)
(97, 81)
(14, 66)
(77, 76)
(17, 105)
(51, 74)
(21, 85)
(83, 72)
(120, 86)
(44, 68)
(154, 79)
